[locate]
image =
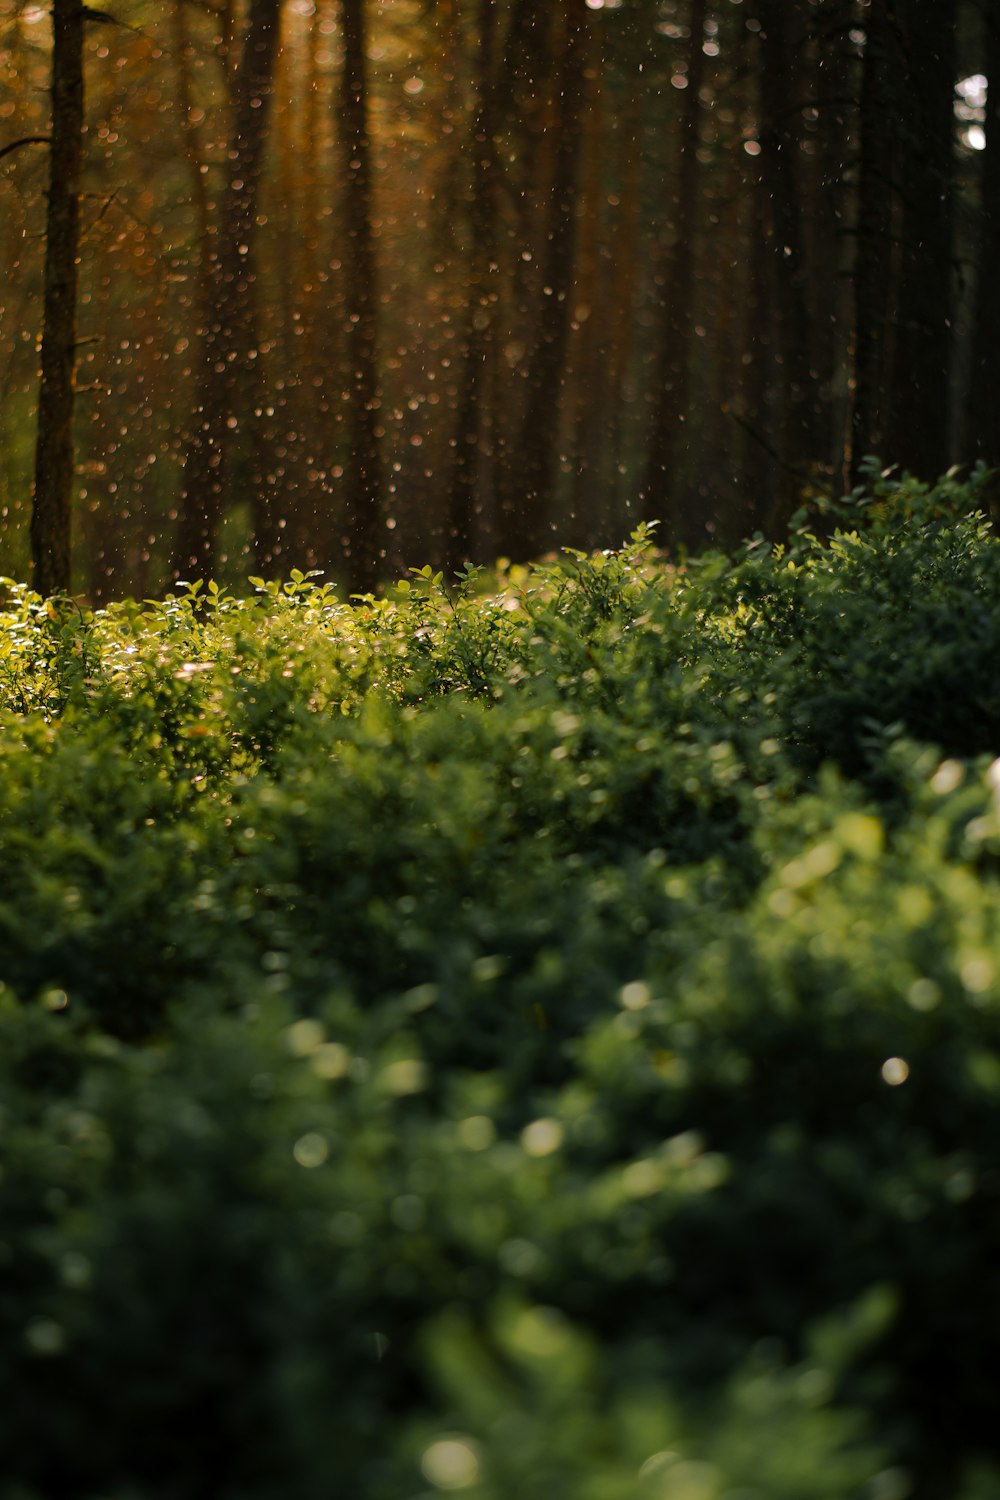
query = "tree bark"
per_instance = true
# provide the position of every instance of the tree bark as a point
(799, 419)
(918, 435)
(530, 492)
(835, 68)
(364, 481)
(984, 394)
(872, 276)
(51, 512)
(226, 385)
(670, 428)
(472, 448)
(625, 258)
(592, 294)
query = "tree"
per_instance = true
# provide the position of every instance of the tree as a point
(530, 485)
(51, 512)
(468, 475)
(872, 275)
(226, 385)
(984, 393)
(796, 436)
(361, 400)
(918, 429)
(670, 427)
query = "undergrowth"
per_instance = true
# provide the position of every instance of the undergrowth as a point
(530, 1034)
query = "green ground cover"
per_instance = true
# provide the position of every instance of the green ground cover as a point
(535, 1038)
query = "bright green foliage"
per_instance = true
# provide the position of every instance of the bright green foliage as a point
(531, 1037)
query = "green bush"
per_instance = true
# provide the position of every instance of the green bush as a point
(536, 1036)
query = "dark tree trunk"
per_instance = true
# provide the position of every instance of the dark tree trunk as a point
(918, 438)
(873, 261)
(758, 464)
(799, 419)
(472, 449)
(984, 393)
(224, 403)
(363, 467)
(625, 255)
(520, 104)
(51, 512)
(834, 65)
(664, 491)
(531, 489)
(593, 290)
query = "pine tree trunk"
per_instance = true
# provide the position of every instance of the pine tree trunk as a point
(835, 67)
(664, 493)
(471, 435)
(918, 437)
(363, 488)
(51, 512)
(984, 394)
(227, 382)
(872, 276)
(799, 420)
(532, 490)
(592, 296)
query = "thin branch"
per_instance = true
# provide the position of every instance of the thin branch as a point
(773, 453)
(100, 213)
(25, 140)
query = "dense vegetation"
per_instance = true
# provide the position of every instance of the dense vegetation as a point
(535, 1036)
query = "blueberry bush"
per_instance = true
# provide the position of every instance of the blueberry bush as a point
(534, 1035)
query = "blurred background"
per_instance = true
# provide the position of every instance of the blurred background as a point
(381, 282)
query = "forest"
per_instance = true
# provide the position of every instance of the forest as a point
(499, 750)
(348, 286)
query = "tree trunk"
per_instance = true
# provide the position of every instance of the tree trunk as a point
(799, 420)
(670, 427)
(223, 417)
(472, 449)
(872, 275)
(984, 394)
(592, 294)
(525, 111)
(531, 490)
(834, 65)
(918, 433)
(51, 512)
(625, 259)
(363, 467)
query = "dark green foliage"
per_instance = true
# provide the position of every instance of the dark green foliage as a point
(541, 1035)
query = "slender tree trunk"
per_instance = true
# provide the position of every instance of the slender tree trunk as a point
(873, 276)
(194, 146)
(525, 111)
(984, 394)
(625, 260)
(758, 467)
(834, 66)
(918, 435)
(472, 446)
(670, 429)
(364, 481)
(51, 512)
(591, 297)
(227, 378)
(309, 150)
(718, 432)
(532, 494)
(797, 435)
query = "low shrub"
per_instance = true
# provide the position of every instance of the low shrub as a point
(536, 1036)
